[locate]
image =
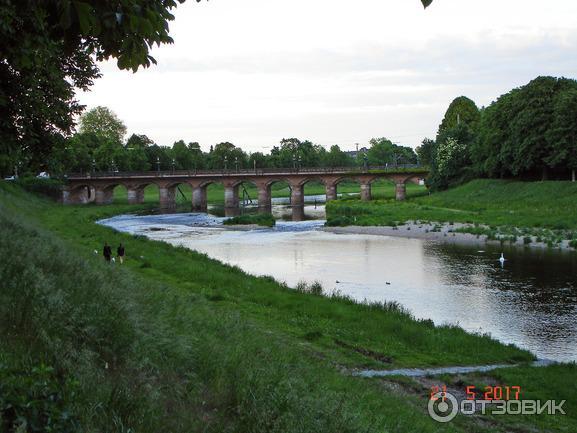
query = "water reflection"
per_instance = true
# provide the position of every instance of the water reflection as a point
(531, 302)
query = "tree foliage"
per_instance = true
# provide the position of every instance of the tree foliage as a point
(49, 48)
(99, 146)
(384, 152)
(449, 156)
(462, 112)
(103, 123)
(426, 152)
(528, 131)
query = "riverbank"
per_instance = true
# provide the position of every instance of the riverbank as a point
(520, 213)
(176, 341)
(451, 233)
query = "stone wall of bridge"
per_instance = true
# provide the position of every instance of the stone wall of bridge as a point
(99, 189)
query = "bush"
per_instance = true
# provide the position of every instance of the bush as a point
(48, 187)
(36, 401)
(265, 220)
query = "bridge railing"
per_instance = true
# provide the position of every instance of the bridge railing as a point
(247, 172)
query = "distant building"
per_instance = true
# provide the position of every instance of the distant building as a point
(355, 153)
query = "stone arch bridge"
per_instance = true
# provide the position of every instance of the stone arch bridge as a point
(99, 187)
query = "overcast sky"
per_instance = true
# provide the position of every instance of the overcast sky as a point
(334, 71)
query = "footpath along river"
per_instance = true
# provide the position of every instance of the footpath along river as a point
(530, 300)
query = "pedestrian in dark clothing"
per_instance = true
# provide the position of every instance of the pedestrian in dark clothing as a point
(107, 252)
(120, 252)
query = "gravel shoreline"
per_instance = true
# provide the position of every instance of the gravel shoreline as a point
(440, 232)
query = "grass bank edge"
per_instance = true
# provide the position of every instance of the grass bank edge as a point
(497, 209)
(339, 327)
(375, 408)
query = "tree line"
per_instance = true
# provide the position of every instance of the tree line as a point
(99, 145)
(50, 49)
(528, 133)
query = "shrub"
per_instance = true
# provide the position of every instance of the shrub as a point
(265, 220)
(36, 400)
(51, 188)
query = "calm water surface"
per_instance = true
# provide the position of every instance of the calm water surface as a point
(530, 301)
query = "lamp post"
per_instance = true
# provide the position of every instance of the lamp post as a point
(225, 163)
(366, 161)
(158, 163)
(236, 163)
(93, 165)
(173, 165)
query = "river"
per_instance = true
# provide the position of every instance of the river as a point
(530, 301)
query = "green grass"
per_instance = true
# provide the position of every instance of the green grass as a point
(265, 220)
(550, 205)
(176, 341)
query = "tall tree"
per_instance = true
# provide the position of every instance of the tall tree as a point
(462, 112)
(563, 132)
(384, 152)
(335, 157)
(49, 48)
(526, 131)
(103, 123)
(426, 152)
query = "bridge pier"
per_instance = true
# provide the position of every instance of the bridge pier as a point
(98, 187)
(231, 202)
(104, 195)
(135, 195)
(400, 191)
(264, 198)
(199, 203)
(331, 191)
(366, 192)
(80, 195)
(167, 198)
(297, 202)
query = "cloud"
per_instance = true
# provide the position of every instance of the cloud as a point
(332, 72)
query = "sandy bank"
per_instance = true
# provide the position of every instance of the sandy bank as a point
(440, 232)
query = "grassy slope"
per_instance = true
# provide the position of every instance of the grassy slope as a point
(491, 202)
(202, 343)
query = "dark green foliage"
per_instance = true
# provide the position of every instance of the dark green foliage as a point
(426, 152)
(36, 400)
(49, 48)
(529, 131)
(450, 156)
(264, 219)
(462, 111)
(48, 187)
(384, 152)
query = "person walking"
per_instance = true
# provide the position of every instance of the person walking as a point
(120, 252)
(107, 252)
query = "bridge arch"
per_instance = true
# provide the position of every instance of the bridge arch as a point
(84, 188)
(104, 193)
(78, 194)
